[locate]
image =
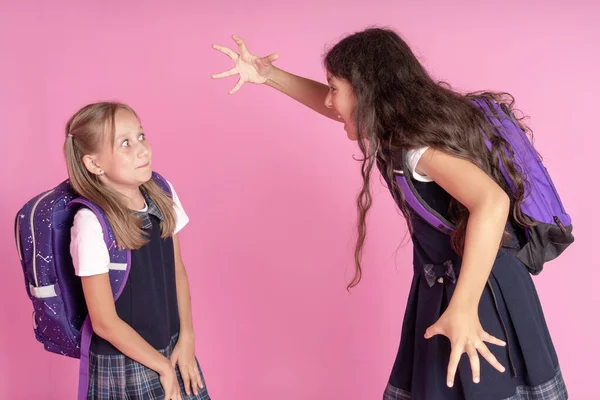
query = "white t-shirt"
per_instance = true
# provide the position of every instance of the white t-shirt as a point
(88, 249)
(413, 157)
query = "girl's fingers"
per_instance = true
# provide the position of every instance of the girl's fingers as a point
(237, 87)
(474, 360)
(227, 51)
(225, 74)
(486, 337)
(489, 357)
(453, 365)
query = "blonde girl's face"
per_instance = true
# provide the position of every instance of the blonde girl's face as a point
(126, 159)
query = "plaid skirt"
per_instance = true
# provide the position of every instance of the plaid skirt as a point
(554, 389)
(118, 377)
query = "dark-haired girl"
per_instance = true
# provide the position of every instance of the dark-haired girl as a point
(483, 303)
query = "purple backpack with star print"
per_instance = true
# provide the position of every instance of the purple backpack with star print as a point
(552, 232)
(43, 235)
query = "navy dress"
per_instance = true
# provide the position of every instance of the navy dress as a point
(148, 304)
(509, 310)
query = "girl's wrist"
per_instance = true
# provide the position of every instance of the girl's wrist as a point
(165, 366)
(464, 304)
(187, 335)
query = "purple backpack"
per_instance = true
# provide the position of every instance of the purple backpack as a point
(552, 233)
(43, 235)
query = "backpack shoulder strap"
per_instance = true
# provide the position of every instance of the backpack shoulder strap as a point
(161, 182)
(119, 267)
(412, 197)
(120, 259)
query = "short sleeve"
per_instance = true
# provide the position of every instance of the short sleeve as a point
(88, 249)
(180, 215)
(413, 157)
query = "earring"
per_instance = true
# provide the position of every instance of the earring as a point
(100, 172)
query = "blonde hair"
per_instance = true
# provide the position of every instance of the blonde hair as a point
(86, 133)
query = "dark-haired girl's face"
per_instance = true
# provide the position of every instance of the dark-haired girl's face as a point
(341, 98)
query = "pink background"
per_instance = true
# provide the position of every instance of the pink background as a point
(270, 186)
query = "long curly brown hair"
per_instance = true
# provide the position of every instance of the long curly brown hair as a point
(399, 106)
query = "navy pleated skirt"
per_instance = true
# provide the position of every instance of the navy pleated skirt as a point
(509, 310)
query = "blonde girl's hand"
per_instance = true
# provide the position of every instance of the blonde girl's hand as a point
(184, 357)
(168, 381)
